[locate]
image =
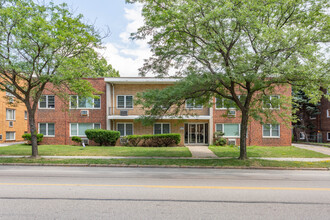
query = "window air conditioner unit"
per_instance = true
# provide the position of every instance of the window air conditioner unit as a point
(232, 142)
(84, 113)
(232, 113)
(85, 141)
(11, 124)
(123, 112)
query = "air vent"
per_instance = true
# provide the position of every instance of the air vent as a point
(232, 142)
(232, 113)
(11, 124)
(123, 112)
(85, 141)
(84, 113)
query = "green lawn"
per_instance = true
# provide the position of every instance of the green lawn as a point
(177, 162)
(68, 150)
(257, 151)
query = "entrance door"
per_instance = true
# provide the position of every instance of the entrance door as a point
(196, 134)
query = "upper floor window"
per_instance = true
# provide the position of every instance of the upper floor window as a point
(328, 113)
(11, 88)
(271, 102)
(47, 102)
(47, 129)
(85, 102)
(191, 104)
(271, 130)
(221, 103)
(124, 101)
(10, 114)
(162, 128)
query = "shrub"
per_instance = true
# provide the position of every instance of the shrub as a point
(156, 140)
(76, 139)
(103, 137)
(218, 139)
(27, 136)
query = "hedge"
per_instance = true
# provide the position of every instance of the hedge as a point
(76, 139)
(156, 140)
(103, 137)
(27, 136)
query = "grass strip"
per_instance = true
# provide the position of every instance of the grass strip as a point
(177, 162)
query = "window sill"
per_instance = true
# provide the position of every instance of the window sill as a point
(271, 137)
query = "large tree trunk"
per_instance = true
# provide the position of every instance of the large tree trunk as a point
(244, 127)
(33, 131)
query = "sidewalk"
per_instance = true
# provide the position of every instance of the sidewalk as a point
(323, 150)
(201, 152)
(10, 143)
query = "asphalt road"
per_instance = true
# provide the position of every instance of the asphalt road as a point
(159, 193)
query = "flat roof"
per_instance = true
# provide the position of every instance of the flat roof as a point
(140, 80)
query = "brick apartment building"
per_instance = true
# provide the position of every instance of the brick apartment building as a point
(115, 110)
(318, 125)
(13, 118)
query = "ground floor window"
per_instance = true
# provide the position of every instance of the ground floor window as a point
(230, 130)
(302, 136)
(78, 129)
(125, 129)
(271, 130)
(10, 136)
(162, 128)
(47, 129)
(328, 136)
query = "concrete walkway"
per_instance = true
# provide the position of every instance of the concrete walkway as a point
(10, 143)
(323, 150)
(201, 152)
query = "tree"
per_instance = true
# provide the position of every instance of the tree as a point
(46, 44)
(235, 49)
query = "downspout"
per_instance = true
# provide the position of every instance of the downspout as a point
(108, 105)
(113, 99)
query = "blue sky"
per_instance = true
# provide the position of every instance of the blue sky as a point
(122, 53)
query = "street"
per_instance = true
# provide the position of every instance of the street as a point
(162, 193)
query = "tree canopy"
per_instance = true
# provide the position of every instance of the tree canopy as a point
(236, 48)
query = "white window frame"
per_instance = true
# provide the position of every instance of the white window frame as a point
(271, 133)
(312, 117)
(328, 136)
(25, 115)
(328, 113)
(125, 107)
(0, 137)
(125, 123)
(14, 114)
(194, 105)
(46, 135)
(78, 128)
(162, 129)
(302, 136)
(223, 105)
(77, 104)
(222, 125)
(270, 99)
(14, 135)
(46, 102)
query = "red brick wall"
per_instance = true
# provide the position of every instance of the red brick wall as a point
(255, 128)
(62, 116)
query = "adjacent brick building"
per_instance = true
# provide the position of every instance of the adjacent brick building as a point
(13, 118)
(115, 110)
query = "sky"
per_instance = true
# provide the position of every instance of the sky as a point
(122, 19)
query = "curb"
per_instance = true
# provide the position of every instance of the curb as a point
(162, 166)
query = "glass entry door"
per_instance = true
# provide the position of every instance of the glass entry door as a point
(195, 133)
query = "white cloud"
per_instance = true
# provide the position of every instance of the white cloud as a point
(128, 56)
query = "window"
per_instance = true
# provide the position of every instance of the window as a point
(124, 101)
(269, 130)
(302, 136)
(11, 88)
(78, 129)
(313, 116)
(191, 104)
(47, 101)
(10, 114)
(271, 102)
(162, 128)
(0, 137)
(230, 130)
(221, 103)
(328, 113)
(85, 102)
(10, 136)
(25, 115)
(47, 129)
(125, 129)
(328, 136)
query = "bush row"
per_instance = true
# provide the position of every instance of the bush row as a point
(156, 140)
(103, 137)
